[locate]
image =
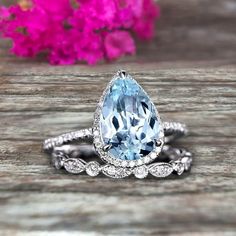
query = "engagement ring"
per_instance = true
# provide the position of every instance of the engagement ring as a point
(127, 137)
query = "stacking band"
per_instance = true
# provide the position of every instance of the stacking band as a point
(172, 131)
(127, 137)
(70, 150)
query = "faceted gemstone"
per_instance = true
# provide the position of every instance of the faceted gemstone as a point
(128, 121)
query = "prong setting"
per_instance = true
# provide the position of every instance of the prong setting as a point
(122, 74)
(107, 147)
(159, 143)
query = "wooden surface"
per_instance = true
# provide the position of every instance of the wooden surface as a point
(189, 71)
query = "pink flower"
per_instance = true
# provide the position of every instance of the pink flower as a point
(118, 44)
(77, 30)
(145, 22)
(62, 51)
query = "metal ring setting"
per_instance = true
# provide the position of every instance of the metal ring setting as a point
(70, 150)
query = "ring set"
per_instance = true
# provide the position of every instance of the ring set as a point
(127, 138)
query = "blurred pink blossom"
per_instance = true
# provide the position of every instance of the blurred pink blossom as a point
(77, 30)
(119, 43)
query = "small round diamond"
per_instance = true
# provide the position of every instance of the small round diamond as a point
(158, 150)
(132, 164)
(96, 140)
(146, 159)
(140, 162)
(78, 134)
(161, 135)
(96, 133)
(116, 162)
(112, 170)
(123, 163)
(92, 168)
(98, 145)
(102, 153)
(179, 168)
(86, 132)
(141, 172)
(153, 155)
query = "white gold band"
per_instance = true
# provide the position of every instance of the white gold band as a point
(69, 150)
(172, 130)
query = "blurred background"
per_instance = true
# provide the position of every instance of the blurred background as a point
(189, 71)
(188, 31)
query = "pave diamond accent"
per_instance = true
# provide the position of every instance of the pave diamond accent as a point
(178, 167)
(160, 169)
(92, 168)
(116, 172)
(127, 134)
(141, 172)
(74, 166)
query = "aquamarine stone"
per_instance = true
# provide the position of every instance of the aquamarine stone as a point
(128, 121)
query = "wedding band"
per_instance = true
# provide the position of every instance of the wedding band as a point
(127, 137)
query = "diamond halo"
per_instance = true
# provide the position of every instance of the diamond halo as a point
(139, 150)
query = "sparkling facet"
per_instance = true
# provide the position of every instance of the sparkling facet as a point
(92, 168)
(141, 172)
(128, 121)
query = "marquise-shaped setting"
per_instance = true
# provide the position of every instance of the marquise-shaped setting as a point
(160, 169)
(115, 172)
(74, 165)
(127, 129)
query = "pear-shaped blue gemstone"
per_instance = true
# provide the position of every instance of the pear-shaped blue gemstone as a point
(128, 121)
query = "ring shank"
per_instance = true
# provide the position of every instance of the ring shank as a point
(172, 131)
(70, 150)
